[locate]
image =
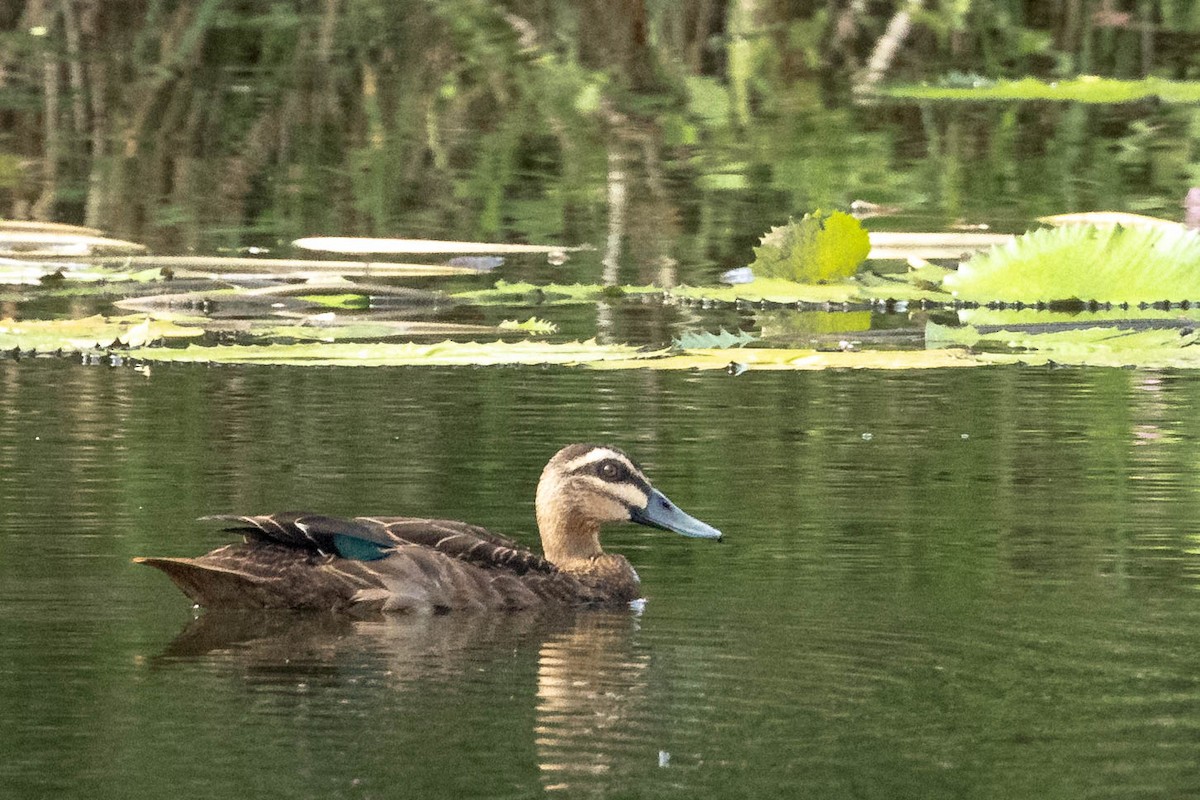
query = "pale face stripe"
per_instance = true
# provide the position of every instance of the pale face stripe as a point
(598, 454)
(625, 493)
(603, 454)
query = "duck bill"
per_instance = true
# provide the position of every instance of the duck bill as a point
(662, 513)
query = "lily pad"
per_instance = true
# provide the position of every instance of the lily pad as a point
(1086, 263)
(533, 325)
(88, 333)
(818, 248)
(447, 353)
(1100, 346)
(21, 272)
(706, 340)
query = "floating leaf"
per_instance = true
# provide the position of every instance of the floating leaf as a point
(87, 333)
(589, 354)
(344, 330)
(532, 325)
(704, 340)
(863, 288)
(35, 273)
(446, 353)
(1086, 263)
(1100, 345)
(819, 248)
(1032, 319)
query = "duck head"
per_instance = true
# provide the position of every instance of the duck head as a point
(587, 485)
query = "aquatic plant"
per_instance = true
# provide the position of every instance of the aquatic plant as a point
(1106, 264)
(532, 326)
(87, 333)
(819, 248)
(1117, 344)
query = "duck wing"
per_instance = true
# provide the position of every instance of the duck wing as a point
(300, 560)
(371, 538)
(316, 534)
(463, 541)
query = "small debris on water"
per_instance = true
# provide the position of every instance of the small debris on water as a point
(664, 758)
(477, 263)
(866, 437)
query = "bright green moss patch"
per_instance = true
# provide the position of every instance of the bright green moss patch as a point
(1086, 89)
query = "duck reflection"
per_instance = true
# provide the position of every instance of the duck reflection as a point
(591, 683)
(591, 679)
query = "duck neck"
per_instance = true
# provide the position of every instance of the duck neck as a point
(567, 537)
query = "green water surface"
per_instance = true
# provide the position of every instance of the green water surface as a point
(942, 584)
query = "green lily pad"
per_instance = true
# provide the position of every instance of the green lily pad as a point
(1115, 345)
(88, 333)
(706, 340)
(818, 248)
(1106, 264)
(447, 353)
(533, 325)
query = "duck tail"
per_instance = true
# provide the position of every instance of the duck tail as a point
(210, 585)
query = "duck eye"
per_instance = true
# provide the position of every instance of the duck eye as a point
(610, 471)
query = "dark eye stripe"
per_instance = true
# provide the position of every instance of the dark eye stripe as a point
(622, 474)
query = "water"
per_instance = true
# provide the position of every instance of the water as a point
(993, 594)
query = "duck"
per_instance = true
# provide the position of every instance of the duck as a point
(306, 561)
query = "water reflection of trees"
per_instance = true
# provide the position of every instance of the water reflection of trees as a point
(364, 116)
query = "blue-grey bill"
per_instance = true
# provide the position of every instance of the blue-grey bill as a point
(662, 513)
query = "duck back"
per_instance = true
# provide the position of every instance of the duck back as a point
(306, 561)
